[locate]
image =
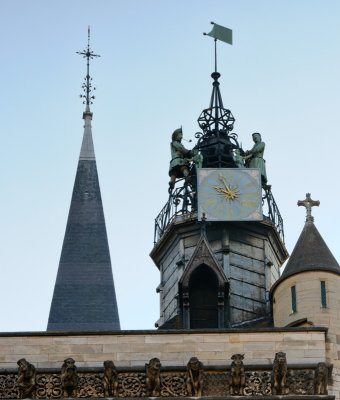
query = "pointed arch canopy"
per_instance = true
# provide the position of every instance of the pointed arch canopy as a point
(203, 255)
(203, 290)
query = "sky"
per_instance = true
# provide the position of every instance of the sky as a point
(280, 78)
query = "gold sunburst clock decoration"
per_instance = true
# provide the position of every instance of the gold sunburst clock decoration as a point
(229, 194)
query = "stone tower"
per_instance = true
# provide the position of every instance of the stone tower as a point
(215, 274)
(84, 295)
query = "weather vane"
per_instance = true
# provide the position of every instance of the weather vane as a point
(216, 117)
(221, 33)
(87, 86)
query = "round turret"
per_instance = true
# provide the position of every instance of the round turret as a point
(307, 292)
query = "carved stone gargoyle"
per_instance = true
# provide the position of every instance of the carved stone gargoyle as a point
(194, 380)
(279, 374)
(321, 379)
(153, 380)
(236, 377)
(69, 378)
(110, 380)
(26, 378)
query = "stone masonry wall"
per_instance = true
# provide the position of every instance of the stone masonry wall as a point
(135, 348)
(308, 305)
(248, 254)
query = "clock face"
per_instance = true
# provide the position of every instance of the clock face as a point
(229, 194)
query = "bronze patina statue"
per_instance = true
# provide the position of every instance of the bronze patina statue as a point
(180, 158)
(254, 157)
(238, 159)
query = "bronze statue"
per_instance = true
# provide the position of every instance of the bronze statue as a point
(110, 380)
(321, 379)
(180, 158)
(26, 378)
(238, 159)
(69, 378)
(279, 373)
(254, 157)
(194, 381)
(153, 380)
(236, 378)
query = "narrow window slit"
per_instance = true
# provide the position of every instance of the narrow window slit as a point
(293, 292)
(323, 294)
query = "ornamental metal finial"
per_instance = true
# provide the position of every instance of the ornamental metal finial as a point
(87, 85)
(308, 203)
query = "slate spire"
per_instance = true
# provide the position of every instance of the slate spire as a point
(84, 294)
(311, 251)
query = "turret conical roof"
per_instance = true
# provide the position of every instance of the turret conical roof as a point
(310, 253)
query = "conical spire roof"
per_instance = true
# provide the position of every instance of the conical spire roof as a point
(84, 295)
(310, 252)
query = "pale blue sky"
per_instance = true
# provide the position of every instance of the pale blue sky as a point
(281, 78)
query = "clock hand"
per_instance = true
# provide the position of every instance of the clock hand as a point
(219, 189)
(228, 194)
(222, 179)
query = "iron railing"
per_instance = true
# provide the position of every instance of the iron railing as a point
(182, 201)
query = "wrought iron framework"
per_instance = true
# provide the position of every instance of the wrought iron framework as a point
(182, 201)
(272, 211)
(216, 143)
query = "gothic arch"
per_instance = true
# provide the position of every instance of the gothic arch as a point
(203, 290)
(203, 298)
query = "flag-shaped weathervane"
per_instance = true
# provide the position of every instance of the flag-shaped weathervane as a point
(221, 33)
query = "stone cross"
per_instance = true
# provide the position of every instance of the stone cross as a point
(308, 203)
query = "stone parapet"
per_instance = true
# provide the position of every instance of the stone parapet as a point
(173, 348)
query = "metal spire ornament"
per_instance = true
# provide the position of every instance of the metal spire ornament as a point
(216, 143)
(216, 117)
(87, 85)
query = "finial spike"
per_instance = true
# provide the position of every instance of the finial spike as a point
(203, 225)
(308, 203)
(87, 86)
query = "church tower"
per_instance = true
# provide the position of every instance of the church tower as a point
(217, 250)
(84, 295)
